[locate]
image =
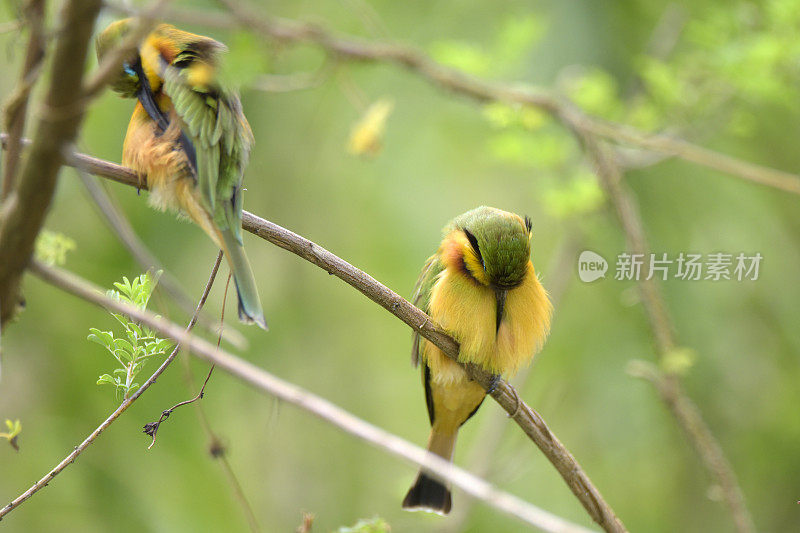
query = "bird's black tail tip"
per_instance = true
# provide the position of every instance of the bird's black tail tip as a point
(428, 494)
(250, 318)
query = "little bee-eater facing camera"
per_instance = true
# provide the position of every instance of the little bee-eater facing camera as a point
(189, 138)
(480, 286)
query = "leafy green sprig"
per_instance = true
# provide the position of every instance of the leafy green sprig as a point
(137, 344)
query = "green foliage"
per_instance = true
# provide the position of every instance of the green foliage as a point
(730, 63)
(597, 92)
(745, 334)
(503, 116)
(14, 429)
(517, 36)
(578, 195)
(138, 344)
(515, 39)
(51, 247)
(462, 56)
(372, 525)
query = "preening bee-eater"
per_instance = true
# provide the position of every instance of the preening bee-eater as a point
(480, 286)
(189, 138)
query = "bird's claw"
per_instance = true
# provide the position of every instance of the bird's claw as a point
(494, 381)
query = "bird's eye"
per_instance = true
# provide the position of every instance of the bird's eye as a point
(528, 224)
(474, 242)
(184, 59)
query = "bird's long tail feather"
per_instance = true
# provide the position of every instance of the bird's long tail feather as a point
(427, 493)
(250, 310)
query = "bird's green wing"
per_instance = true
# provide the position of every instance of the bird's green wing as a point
(422, 297)
(220, 137)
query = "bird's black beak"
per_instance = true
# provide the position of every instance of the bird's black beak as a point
(148, 100)
(500, 298)
(146, 97)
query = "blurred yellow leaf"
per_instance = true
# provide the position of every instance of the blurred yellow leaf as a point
(367, 135)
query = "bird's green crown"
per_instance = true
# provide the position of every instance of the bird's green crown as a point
(126, 81)
(500, 239)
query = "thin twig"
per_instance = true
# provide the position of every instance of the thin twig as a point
(529, 420)
(325, 410)
(151, 428)
(683, 409)
(17, 104)
(219, 452)
(216, 448)
(69, 459)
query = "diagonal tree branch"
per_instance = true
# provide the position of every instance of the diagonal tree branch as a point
(69, 459)
(529, 420)
(288, 392)
(23, 212)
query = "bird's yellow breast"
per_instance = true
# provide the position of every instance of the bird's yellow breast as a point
(156, 158)
(467, 310)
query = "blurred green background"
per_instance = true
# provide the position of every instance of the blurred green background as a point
(722, 73)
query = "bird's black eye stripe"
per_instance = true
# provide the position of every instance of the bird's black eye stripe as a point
(528, 223)
(474, 242)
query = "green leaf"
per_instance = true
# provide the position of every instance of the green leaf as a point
(504, 116)
(106, 379)
(124, 345)
(136, 329)
(163, 345)
(14, 429)
(103, 338)
(579, 195)
(518, 35)
(463, 56)
(123, 355)
(596, 92)
(542, 150)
